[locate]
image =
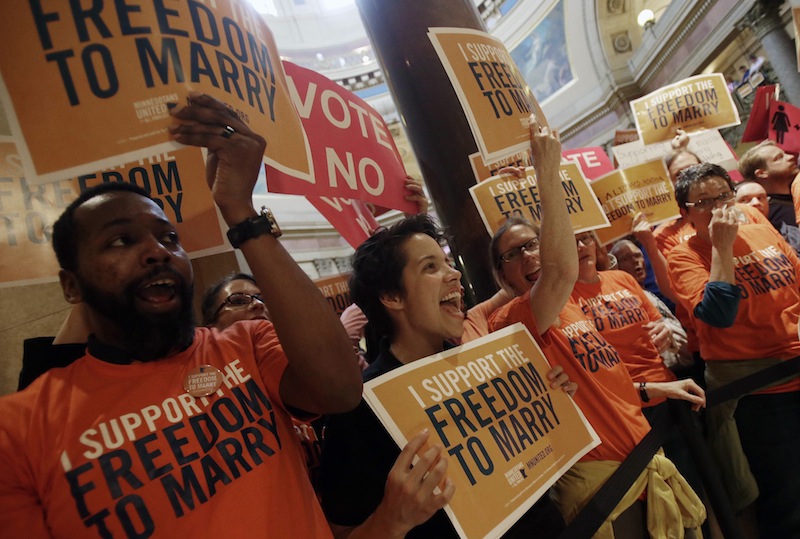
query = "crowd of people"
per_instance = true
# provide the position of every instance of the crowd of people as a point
(134, 421)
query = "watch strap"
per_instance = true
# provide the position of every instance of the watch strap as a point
(263, 223)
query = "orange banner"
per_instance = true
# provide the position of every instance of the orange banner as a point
(105, 73)
(336, 290)
(696, 103)
(509, 436)
(505, 196)
(496, 100)
(625, 192)
(176, 181)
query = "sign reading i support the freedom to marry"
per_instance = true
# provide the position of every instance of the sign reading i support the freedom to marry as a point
(353, 152)
(509, 436)
(496, 100)
(175, 181)
(103, 73)
(625, 192)
(505, 196)
(700, 102)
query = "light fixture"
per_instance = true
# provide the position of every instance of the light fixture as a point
(646, 18)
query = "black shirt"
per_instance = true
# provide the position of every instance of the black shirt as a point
(357, 455)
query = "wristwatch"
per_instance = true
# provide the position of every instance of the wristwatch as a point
(263, 223)
(643, 392)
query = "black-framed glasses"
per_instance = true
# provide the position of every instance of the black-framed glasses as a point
(706, 203)
(239, 300)
(530, 246)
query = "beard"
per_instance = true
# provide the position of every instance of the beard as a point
(146, 336)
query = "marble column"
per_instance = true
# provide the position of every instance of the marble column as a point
(434, 120)
(768, 28)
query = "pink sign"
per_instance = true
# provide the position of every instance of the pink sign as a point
(351, 218)
(353, 153)
(784, 126)
(594, 162)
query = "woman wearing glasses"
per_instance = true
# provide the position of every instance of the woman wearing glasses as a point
(236, 297)
(740, 285)
(233, 298)
(524, 263)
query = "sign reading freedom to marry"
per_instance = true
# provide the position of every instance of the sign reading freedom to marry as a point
(508, 435)
(625, 192)
(175, 181)
(700, 102)
(505, 196)
(103, 72)
(496, 100)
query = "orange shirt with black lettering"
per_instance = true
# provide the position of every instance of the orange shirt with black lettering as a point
(766, 270)
(606, 393)
(98, 449)
(673, 233)
(620, 310)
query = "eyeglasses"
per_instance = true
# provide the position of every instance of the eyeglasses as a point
(706, 203)
(530, 246)
(239, 300)
(586, 239)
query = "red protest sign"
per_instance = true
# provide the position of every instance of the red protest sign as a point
(351, 218)
(353, 153)
(594, 161)
(784, 126)
(757, 128)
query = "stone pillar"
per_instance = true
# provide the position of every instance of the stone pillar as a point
(434, 120)
(766, 24)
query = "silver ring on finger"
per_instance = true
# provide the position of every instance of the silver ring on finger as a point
(228, 132)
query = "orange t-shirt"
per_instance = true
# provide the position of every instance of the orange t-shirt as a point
(619, 310)
(669, 235)
(796, 198)
(606, 394)
(766, 270)
(100, 449)
(476, 322)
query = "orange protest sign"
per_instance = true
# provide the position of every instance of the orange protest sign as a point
(700, 102)
(496, 100)
(482, 171)
(625, 192)
(509, 436)
(623, 136)
(336, 290)
(176, 181)
(106, 74)
(505, 196)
